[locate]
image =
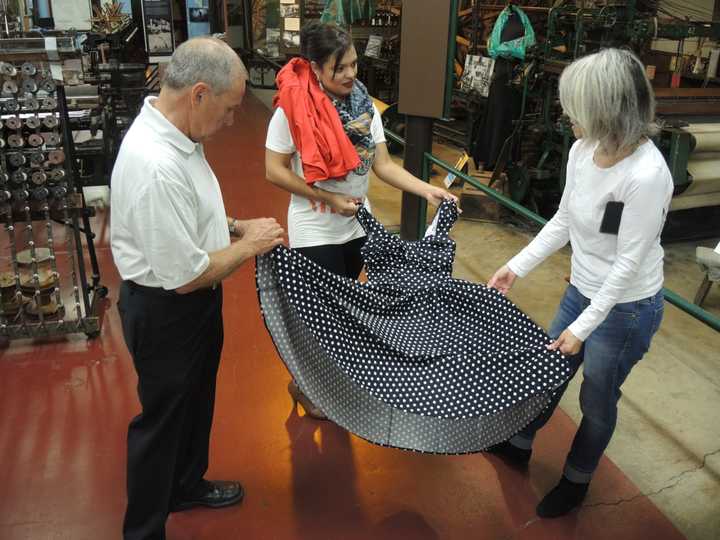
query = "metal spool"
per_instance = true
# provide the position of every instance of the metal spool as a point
(18, 177)
(42, 256)
(29, 86)
(38, 178)
(32, 122)
(20, 195)
(36, 140)
(49, 104)
(40, 194)
(56, 157)
(52, 139)
(8, 70)
(12, 106)
(10, 87)
(31, 104)
(16, 141)
(17, 159)
(28, 69)
(13, 123)
(37, 158)
(48, 85)
(50, 122)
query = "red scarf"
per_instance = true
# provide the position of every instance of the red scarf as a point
(315, 125)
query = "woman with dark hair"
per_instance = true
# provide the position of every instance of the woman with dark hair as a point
(324, 137)
(617, 194)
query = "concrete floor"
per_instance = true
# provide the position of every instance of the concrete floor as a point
(668, 437)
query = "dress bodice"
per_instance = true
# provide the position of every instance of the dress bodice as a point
(409, 264)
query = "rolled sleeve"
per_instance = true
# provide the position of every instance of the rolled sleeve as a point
(166, 216)
(376, 127)
(279, 138)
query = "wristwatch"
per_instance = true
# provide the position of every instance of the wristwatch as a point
(232, 226)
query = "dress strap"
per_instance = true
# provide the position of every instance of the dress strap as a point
(373, 228)
(446, 217)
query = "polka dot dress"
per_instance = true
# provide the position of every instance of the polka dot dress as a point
(413, 358)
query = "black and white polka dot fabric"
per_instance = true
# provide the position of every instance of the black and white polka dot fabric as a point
(413, 358)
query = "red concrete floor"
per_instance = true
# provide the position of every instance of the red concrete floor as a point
(65, 405)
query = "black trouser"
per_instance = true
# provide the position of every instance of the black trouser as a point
(342, 259)
(175, 341)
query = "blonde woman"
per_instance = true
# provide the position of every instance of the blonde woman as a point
(617, 193)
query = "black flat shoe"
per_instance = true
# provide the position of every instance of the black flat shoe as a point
(217, 494)
(518, 457)
(563, 498)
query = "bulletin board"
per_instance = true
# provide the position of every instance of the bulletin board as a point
(159, 34)
(290, 24)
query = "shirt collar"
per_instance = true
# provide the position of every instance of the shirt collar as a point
(165, 128)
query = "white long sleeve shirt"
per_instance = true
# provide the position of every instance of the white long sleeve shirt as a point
(607, 268)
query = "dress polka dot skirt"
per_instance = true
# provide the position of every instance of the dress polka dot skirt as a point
(413, 358)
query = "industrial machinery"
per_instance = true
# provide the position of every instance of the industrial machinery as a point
(116, 65)
(690, 138)
(44, 280)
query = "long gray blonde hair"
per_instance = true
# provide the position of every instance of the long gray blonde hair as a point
(608, 95)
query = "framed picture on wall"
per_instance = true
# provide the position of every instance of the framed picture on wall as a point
(159, 38)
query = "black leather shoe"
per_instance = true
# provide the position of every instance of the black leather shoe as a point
(212, 495)
(562, 499)
(518, 457)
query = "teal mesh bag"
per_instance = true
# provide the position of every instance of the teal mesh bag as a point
(345, 12)
(514, 48)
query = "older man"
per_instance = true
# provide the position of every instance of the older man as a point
(171, 244)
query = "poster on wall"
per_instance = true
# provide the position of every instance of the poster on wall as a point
(157, 15)
(272, 46)
(69, 14)
(477, 74)
(198, 17)
(290, 20)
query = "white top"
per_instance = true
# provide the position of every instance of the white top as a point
(607, 268)
(316, 224)
(167, 211)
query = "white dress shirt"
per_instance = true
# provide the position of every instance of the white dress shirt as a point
(607, 268)
(167, 211)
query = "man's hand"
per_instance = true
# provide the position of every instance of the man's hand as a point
(502, 280)
(263, 234)
(436, 195)
(567, 343)
(241, 226)
(343, 204)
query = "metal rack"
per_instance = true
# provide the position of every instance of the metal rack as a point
(46, 290)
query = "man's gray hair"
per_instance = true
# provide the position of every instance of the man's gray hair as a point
(204, 59)
(608, 95)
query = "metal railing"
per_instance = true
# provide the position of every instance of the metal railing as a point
(428, 160)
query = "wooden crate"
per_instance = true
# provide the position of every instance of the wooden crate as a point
(477, 206)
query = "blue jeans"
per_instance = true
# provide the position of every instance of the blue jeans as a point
(607, 356)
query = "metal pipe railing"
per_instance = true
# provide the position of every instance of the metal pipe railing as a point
(671, 296)
(428, 159)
